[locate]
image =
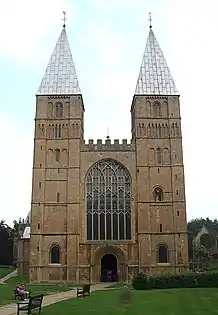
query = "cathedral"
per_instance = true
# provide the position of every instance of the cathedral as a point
(106, 210)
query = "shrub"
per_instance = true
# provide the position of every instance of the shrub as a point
(140, 282)
(192, 280)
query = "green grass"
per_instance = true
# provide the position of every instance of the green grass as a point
(159, 302)
(120, 285)
(4, 271)
(6, 290)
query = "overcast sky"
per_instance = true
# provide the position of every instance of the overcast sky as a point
(107, 39)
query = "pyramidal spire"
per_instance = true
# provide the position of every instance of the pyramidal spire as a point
(60, 76)
(154, 76)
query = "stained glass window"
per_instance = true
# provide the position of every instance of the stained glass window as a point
(108, 202)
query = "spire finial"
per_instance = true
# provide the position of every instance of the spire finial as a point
(64, 19)
(150, 20)
(108, 137)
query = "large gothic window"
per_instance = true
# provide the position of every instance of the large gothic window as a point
(108, 202)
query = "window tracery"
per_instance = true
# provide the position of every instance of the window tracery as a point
(108, 202)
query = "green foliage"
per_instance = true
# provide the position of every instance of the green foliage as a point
(192, 280)
(6, 244)
(199, 251)
(207, 241)
(140, 282)
(7, 238)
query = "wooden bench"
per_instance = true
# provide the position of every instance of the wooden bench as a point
(84, 291)
(34, 302)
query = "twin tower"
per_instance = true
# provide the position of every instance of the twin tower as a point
(106, 211)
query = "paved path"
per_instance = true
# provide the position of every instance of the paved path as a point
(11, 309)
(8, 276)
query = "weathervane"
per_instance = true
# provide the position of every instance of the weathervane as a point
(64, 19)
(150, 20)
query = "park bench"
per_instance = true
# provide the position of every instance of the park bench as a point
(84, 291)
(18, 294)
(34, 302)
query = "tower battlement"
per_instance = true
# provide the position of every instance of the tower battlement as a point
(107, 145)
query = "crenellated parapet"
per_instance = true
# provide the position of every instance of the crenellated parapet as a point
(107, 145)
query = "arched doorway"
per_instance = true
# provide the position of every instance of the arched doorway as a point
(109, 268)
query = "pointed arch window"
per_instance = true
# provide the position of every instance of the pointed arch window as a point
(108, 202)
(156, 109)
(162, 253)
(55, 254)
(58, 110)
(57, 155)
(159, 156)
(158, 194)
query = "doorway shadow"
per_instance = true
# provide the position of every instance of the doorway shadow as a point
(109, 268)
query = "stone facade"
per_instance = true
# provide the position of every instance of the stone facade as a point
(106, 207)
(23, 256)
(58, 216)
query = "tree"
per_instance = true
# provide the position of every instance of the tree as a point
(207, 241)
(6, 244)
(9, 240)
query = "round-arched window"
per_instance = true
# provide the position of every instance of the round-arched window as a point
(163, 253)
(55, 254)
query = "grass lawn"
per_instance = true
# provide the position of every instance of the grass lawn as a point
(156, 302)
(120, 285)
(6, 290)
(4, 271)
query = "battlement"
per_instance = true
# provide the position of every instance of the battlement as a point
(107, 145)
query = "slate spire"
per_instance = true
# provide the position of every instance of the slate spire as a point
(60, 76)
(154, 76)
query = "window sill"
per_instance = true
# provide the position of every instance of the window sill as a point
(109, 242)
(54, 264)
